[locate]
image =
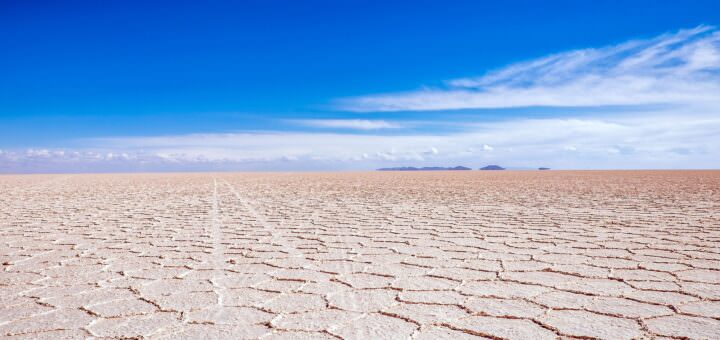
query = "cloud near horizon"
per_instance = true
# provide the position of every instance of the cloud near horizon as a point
(681, 68)
(353, 124)
(621, 142)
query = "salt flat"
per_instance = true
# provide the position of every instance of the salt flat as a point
(425, 255)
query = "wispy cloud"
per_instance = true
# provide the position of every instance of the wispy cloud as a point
(682, 68)
(354, 124)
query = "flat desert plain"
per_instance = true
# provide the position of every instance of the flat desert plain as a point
(421, 255)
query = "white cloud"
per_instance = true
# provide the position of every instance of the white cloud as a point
(681, 68)
(32, 153)
(433, 151)
(355, 124)
(486, 147)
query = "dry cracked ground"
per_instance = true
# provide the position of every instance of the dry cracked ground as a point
(438, 255)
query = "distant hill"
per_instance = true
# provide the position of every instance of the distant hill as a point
(492, 167)
(427, 168)
(543, 168)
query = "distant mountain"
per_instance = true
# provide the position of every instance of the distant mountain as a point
(427, 168)
(492, 167)
(543, 168)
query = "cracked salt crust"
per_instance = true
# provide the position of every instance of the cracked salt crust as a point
(441, 255)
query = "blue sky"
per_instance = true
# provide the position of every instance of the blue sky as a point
(354, 85)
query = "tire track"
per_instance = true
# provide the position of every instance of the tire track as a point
(218, 249)
(275, 235)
